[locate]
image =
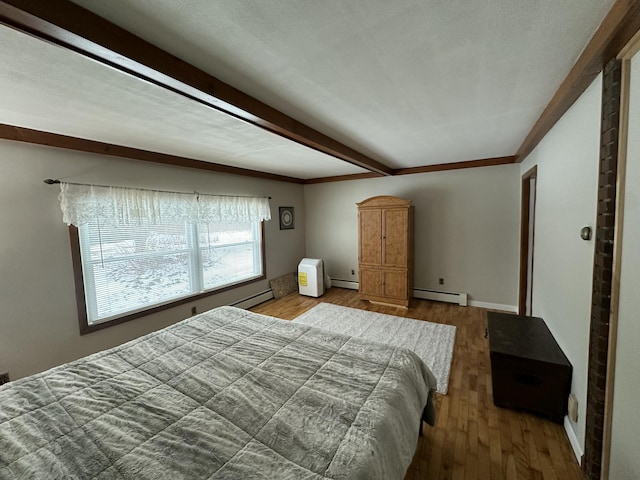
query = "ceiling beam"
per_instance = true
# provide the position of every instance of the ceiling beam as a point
(71, 26)
(38, 137)
(616, 30)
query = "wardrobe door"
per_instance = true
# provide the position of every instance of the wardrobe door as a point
(370, 246)
(394, 237)
(370, 281)
(394, 284)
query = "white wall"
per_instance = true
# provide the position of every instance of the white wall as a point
(567, 160)
(38, 317)
(466, 228)
(625, 461)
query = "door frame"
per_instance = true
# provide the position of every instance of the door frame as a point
(525, 207)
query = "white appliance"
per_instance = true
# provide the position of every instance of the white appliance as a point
(311, 277)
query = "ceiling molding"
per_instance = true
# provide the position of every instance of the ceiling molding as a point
(38, 137)
(616, 30)
(71, 26)
(441, 167)
(340, 178)
(485, 162)
(56, 140)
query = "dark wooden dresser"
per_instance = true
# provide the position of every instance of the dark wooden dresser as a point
(529, 371)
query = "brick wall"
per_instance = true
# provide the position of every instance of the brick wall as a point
(603, 268)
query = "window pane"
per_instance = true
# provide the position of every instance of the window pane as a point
(128, 285)
(130, 268)
(225, 265)
(225, 234)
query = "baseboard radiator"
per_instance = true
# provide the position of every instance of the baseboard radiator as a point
(450, 297)
(437, 295)
(336, 282)
(254, 300)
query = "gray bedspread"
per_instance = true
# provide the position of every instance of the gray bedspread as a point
(226, 394)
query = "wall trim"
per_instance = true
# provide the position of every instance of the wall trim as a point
(573, 440)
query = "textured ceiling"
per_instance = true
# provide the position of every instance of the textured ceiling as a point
(407, 82)
(51, 89)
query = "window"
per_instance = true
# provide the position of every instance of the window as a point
(137, 251)
(129, 269)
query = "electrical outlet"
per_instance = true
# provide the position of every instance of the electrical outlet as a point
(4, 378)
(194, 310)
(441, 281)
(353, 272)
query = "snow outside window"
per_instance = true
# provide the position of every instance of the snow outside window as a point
(129, 268)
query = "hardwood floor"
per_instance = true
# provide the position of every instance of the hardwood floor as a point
(472, 438)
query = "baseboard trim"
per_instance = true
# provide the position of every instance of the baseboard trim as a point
(494, 306)
(254, 300)
(573, 440)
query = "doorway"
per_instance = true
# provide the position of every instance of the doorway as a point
(527, 235)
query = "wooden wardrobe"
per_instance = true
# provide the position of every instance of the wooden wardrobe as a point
(385, 250)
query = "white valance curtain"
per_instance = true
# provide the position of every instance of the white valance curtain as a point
(82, 204)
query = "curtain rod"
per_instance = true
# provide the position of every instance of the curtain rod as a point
(51, 181)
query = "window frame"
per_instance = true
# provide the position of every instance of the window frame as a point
(81, 304)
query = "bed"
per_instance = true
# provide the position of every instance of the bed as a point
(225, 394)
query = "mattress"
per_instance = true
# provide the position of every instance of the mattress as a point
(225, 394)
